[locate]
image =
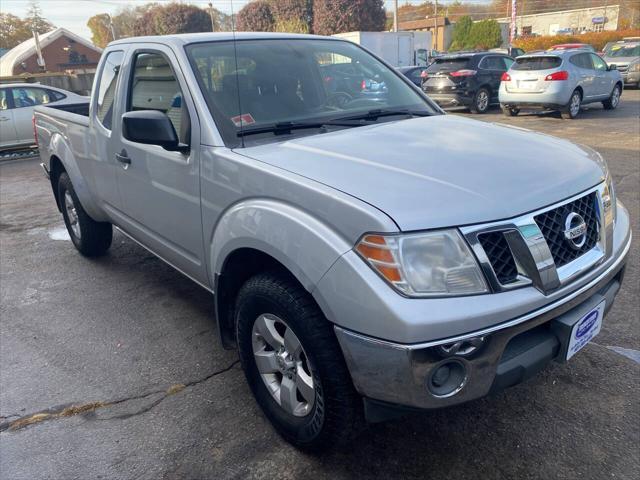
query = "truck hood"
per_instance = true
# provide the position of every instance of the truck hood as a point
(441, 171)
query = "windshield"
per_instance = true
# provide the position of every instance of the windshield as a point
(536, 63)
(625, 51)
(271, 82)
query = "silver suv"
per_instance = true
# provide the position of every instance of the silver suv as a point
(365, 254)
(559, 80)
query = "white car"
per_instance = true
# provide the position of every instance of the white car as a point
(17, 101)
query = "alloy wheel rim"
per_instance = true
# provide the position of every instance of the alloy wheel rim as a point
(483, 100)
(72, 214)
(283, 365)
(575, 104)
(616, 97)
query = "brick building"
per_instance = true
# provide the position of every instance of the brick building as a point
(62, 51)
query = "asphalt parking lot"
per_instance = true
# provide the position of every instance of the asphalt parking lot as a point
(110, 368)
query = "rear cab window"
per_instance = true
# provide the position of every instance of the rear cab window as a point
(537, 63)
(107, 87)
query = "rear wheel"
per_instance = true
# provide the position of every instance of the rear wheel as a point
(294, 365)
(509, 111)
(91, 238)
(481, 101)
(612, 102)
(572, 109)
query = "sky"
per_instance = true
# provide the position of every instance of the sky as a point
(73, 14)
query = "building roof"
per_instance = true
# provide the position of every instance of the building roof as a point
(424, 23)
(20, 52)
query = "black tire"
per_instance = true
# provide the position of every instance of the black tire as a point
(614, 99)
(509, 111)
(568, 112)
(337, 414)
(481, 101)
(94, 238)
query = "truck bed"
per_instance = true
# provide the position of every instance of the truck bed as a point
(76, 108)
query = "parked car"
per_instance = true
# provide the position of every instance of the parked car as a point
(415, 74)
(573, 46)
(347, 82)
(470, 80)
(559, 80)
(17, 101)
(364, 259)
(626, 58)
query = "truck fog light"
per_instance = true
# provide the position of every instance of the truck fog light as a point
(462, 348)
(447, 379)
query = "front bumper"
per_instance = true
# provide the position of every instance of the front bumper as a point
(631, 78)
(397, 375)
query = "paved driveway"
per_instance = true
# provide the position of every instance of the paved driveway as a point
(118, 360)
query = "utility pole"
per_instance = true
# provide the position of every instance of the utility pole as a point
(111, 27)
(212, 16)
(395, 15)
(435, 12)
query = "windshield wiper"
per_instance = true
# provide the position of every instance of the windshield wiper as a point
(282, 128)
(373, 115)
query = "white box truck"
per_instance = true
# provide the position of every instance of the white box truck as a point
(400, 49)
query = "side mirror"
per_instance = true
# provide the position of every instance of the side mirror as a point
(613, 66)
(151, 127)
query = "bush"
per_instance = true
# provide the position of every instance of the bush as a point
(461, 31)
(256, 17)
(596, 39)
(485, 34)
(337, 16)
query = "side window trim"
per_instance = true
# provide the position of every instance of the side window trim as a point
(9, 97)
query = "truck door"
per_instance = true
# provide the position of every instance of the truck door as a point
(161, 189)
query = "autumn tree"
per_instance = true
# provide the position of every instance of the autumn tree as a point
(100, 26)
(34, 19)
(256, 17)
(13, 30)
(336, 16)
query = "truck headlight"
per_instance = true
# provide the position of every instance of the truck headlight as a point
(635, 67)
(437, 263)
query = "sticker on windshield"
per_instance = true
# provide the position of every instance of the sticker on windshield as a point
(242, 120)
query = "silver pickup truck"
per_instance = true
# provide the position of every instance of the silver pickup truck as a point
(367, 253)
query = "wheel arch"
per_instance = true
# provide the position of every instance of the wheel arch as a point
(260, 235)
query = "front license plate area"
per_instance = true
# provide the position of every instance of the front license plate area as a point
(585, 329)
(577, 327)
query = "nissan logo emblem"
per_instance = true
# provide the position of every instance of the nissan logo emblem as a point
(575, 230)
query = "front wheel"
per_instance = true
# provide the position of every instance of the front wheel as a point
(91, 238)
(572, 109)
(294, 365)
(481, 101)
(612, 102)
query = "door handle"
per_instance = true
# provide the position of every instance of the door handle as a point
(4, 119)
(122, 157)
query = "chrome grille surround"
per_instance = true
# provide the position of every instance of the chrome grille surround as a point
(531, 253)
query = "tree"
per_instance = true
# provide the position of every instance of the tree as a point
(294, 16)
(461, 32)
(256, 17)
(180, 18)
(13, 30)
(100, 26)
(336, 16)
(35, 20)
(485, 34)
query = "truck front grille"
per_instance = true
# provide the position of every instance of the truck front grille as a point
(552, 226)
(499, 254)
